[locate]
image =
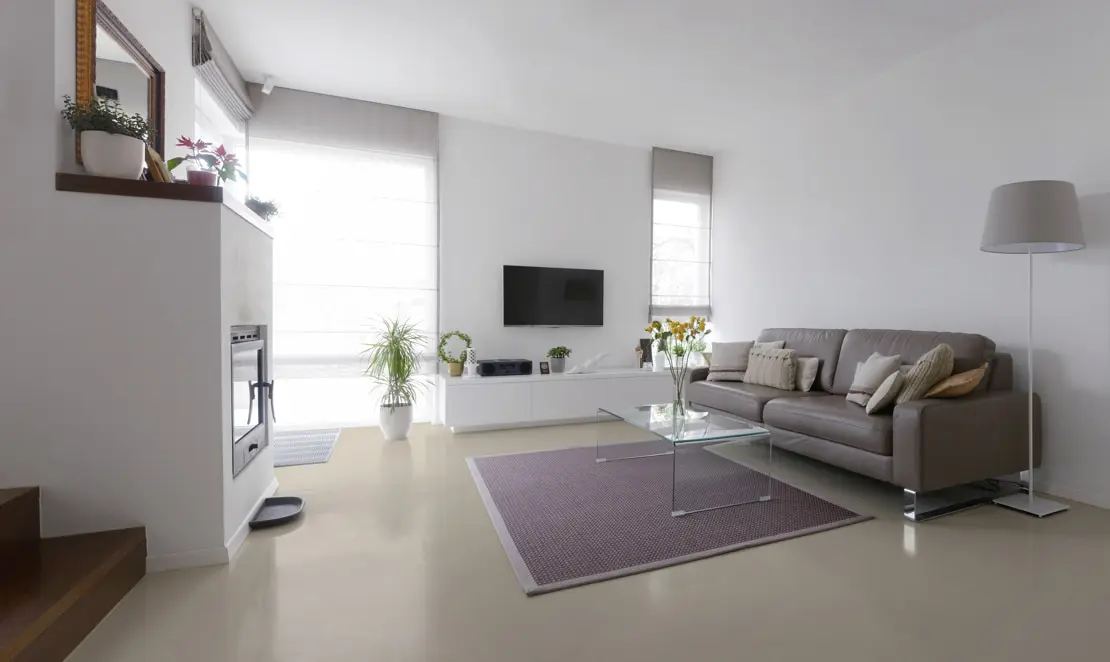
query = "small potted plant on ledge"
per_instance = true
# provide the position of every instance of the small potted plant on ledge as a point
(394, 363)
(266, 209)
(454, 362)
(208, 165)
(113, 143)
(558, 356)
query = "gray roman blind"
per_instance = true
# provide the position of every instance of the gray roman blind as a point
(681, 233)
(215, 68)
(321, 119)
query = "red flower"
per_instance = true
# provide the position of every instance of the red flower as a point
(200, 144)
(184, 142)
(221, 152)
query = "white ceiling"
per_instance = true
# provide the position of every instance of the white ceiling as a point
(691, 74)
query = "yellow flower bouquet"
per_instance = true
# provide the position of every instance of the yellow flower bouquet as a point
(677, 340)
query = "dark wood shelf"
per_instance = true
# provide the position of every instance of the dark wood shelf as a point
(136, 188)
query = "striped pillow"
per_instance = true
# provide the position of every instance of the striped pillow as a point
(772, 367)
(931, 368)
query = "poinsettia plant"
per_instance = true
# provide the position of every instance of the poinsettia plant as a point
(204, 154)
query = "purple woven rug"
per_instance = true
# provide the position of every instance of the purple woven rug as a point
(566, 520)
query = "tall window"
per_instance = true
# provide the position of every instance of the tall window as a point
(356, 240)
(681, 234)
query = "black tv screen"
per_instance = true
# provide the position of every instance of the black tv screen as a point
(541, 296)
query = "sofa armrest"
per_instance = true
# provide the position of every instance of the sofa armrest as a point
(698, 374)
(940, 443)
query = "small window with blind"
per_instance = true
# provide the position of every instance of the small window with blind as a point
(681, 250)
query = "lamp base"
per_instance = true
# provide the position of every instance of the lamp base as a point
(1031, 505)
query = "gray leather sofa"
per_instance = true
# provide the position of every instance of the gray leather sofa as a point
(921, 446)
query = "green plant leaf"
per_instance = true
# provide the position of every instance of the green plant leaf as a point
(174, 162)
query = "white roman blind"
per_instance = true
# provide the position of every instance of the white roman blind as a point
(214, 66)
(356, 240)
(681, 233)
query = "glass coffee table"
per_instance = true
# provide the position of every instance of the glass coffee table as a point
(671, 435)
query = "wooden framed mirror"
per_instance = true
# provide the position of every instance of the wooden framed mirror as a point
(113, 64)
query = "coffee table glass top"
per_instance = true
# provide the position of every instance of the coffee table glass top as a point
(698, 425)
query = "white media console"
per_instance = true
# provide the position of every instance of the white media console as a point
(492, 403)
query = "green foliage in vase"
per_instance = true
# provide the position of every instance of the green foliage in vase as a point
(559, 352)
(99, 114)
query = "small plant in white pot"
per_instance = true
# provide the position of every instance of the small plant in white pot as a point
(113, 143)
(558, 356)
(394, 363)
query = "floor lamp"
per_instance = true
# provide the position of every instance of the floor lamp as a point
(1027, 218)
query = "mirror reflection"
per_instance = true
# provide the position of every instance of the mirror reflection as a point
(118, 77)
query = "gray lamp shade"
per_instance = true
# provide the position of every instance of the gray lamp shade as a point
(1033, 217)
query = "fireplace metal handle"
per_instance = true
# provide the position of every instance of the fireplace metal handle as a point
(269, 386)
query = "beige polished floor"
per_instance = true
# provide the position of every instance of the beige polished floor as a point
(396, 560)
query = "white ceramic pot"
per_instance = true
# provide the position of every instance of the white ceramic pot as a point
(558, 364)
(396, 422)
(111, 155)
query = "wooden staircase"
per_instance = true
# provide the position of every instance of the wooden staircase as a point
(54, 591)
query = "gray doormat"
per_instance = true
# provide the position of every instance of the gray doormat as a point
(303, 447)
(566, 520)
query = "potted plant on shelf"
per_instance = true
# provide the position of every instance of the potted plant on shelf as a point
(675, 341)
(394, 363)
(266, 209)
(208, 165)
(558, 356)
(454, 362)
(113, 143)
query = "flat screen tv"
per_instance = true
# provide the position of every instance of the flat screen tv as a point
(542, 296)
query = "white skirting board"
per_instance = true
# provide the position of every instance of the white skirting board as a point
(216, 555)
(240, 536)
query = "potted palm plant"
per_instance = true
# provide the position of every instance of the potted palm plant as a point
(394, 363)
(113, 143)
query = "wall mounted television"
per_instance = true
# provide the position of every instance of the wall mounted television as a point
(543, 296)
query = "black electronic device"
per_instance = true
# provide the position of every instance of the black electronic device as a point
(544, 296)
(504, 367)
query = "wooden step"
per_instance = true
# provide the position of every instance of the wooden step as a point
(19, 527)
(67, 586)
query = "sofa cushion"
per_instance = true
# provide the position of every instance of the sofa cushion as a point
(969, 350)
(772, 367)
(821, 343)
(833, 418)
(744, 400)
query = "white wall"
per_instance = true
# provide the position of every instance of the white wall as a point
(247, 297)
(871, 215)
(509, 196)
(104, 354)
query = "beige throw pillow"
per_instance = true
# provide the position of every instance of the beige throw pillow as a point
(772, 367)
(806, 373)
(870, 375)
(933, 366)
(959, 385)
(886, 393)
(730, 359)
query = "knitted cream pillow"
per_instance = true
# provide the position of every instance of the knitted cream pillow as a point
(931, 368)
(772, 367)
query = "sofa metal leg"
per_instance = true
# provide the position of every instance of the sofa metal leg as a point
(922, 506)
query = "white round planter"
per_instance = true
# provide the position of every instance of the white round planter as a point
(396, 422)
(111, 155)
